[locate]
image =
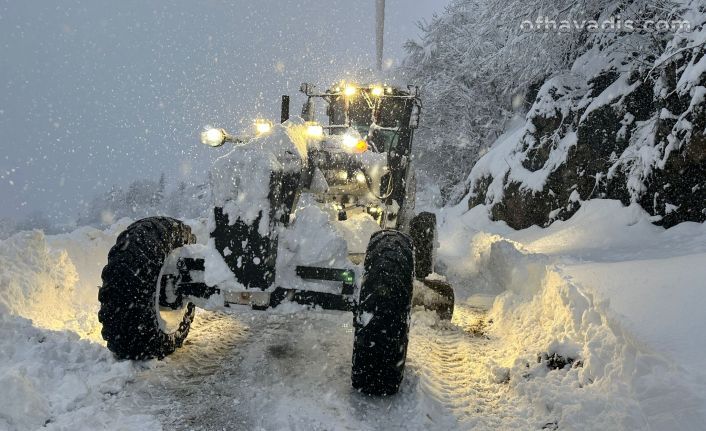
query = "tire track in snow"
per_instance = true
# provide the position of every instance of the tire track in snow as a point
(245, 369)
(451, 361)
(189, 384)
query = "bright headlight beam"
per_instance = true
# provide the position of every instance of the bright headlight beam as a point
(262, 127)
(213, 137)
(314, 130)
(354, 144)
(349, 90)
(349, 141)
(377, 91)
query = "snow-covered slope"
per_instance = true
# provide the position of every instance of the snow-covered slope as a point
(591, 323)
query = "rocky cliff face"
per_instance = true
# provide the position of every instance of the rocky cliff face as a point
(616, 126)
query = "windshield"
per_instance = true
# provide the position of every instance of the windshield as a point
(358, 113)
(382, 140)
(385, 140)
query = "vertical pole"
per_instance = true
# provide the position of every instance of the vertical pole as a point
(379, 31)
(285, 109)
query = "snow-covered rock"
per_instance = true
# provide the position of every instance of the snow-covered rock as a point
(611, 127)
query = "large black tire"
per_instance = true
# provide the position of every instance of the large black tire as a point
(128, 296)
(422, 229)
(382, 317)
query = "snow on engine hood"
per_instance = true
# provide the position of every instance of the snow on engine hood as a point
(240, 180)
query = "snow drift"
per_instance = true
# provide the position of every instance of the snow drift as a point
(54, 369)
(600, 314)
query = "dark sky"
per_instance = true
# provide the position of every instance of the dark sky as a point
(99, 92)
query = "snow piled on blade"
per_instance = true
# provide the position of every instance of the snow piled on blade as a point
(240, 182)
(54, 368)
(310, 241)
(601, 315)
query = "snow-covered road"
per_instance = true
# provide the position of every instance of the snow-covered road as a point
(554, 329)
(245, 369)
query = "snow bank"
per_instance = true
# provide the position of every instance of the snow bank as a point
(617, 298)
(54, 368)
(667, 314)
(53, 280)
(33, 277)
(56, 379)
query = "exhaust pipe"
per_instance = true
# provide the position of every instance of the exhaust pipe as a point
(284, 116)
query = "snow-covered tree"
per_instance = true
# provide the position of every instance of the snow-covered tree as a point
(37, 219)
(7, 227)
(188, 201)
(144, 198)
(479, 63)
(623, 121)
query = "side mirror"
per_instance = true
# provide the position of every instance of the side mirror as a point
(306, 88)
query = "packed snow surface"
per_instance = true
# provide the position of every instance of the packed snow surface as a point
(591, 323)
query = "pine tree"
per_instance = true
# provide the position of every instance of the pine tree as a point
(161, 185)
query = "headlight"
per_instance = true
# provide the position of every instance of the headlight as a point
(354, 144)
(361, 146)
(263, 127)
(349, 141)
(377, 91)
(314, 129)
(213, 137)
(349, 90)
